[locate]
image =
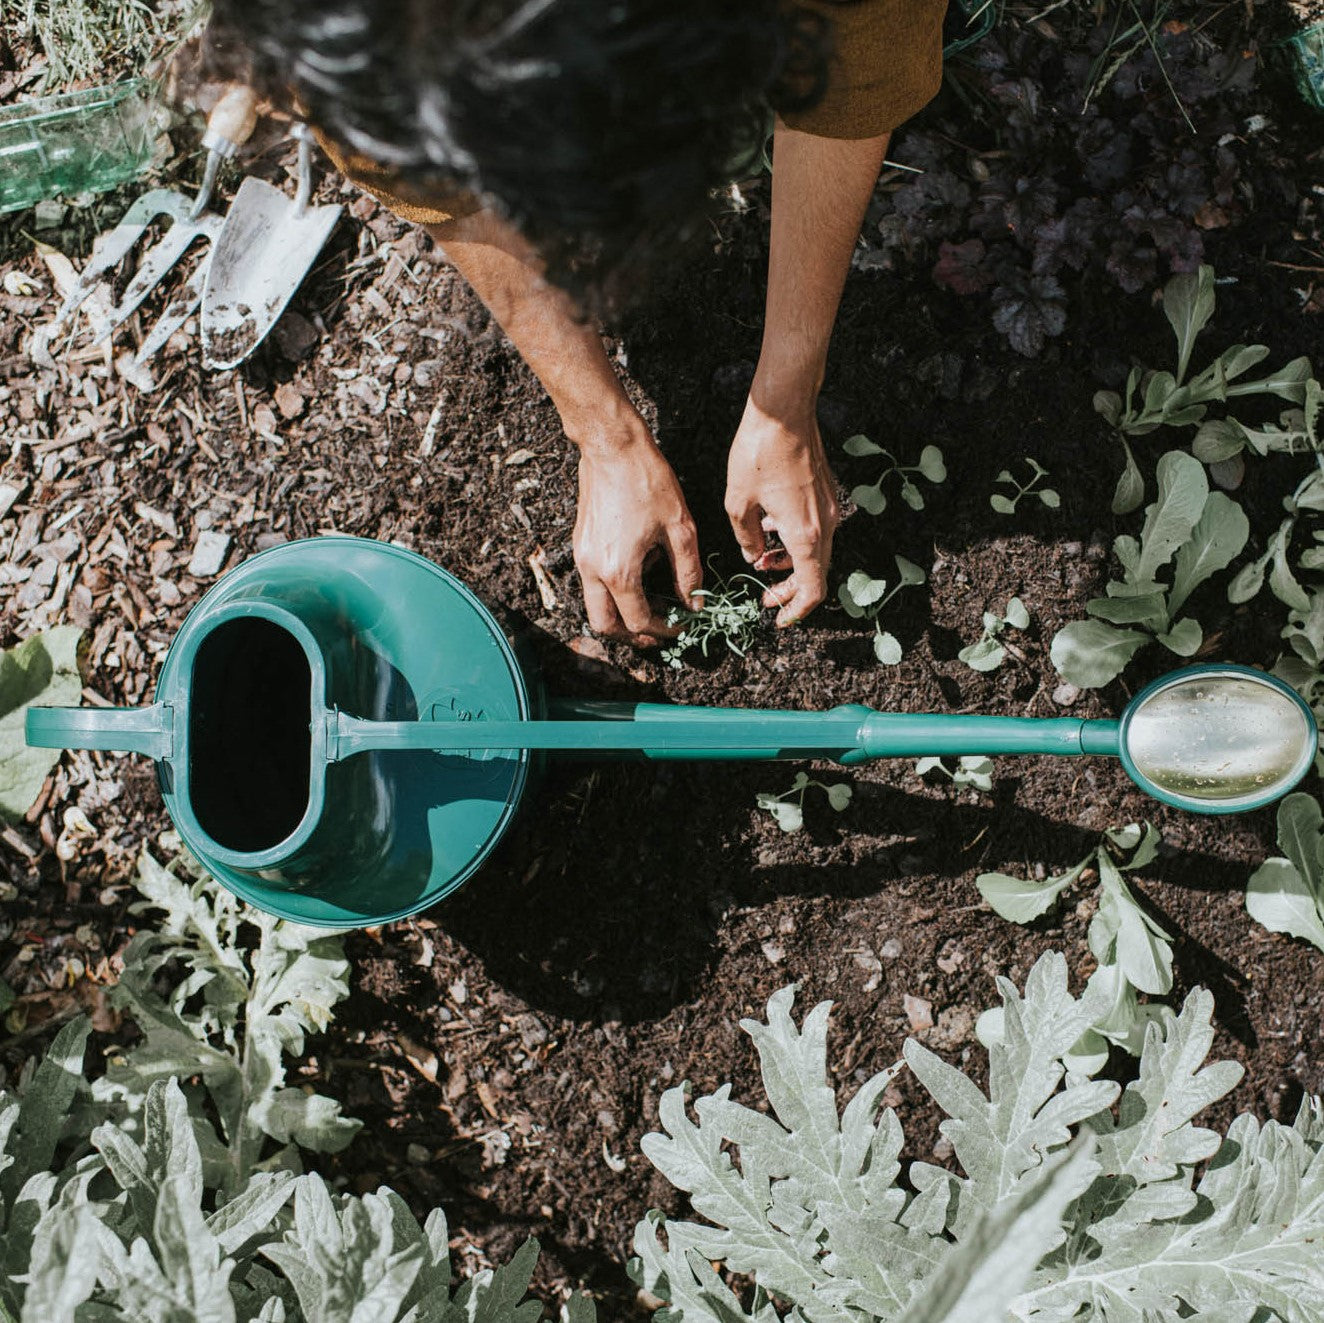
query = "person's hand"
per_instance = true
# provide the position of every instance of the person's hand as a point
(778, 480)
(630, 504)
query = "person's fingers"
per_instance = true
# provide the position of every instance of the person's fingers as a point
(776, 559)
(683, 548)
(776, 595)
(746, 523)
(809, 583)
(603, 617)
(638, 615)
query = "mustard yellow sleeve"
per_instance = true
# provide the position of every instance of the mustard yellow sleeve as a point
(421, 206)
(887, 64)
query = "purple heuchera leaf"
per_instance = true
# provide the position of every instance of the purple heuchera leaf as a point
(960, 267)
(1029, 310)
(1132, 268)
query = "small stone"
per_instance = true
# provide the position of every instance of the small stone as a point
(786, 924)
(943, 1149)
(209, 553)
(773, 952)
(289, 400)
(1065, 694)
(417, 1154)
(459, 992)
(890, 949)
(295, 335)
(919, 1012)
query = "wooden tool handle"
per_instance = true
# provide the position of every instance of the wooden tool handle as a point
(232, 120)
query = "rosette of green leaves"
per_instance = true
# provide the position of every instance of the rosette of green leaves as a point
(1167, 399)
(863, 598)
(1204, 530)
(870, 496)
(1063, 1207)
(1275, 562)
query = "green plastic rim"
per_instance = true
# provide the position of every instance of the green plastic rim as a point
(1238, 804)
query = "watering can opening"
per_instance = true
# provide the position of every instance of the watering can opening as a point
(249, 739)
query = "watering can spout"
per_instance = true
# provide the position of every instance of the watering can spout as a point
(148, 730)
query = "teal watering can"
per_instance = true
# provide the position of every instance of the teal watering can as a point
(342, 733)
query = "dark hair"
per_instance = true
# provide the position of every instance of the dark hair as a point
(593, 124)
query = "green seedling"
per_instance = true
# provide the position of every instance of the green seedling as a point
(1303, 667)
(991, 650)
(1134, 953)
(1167, 399)
(1007, 504)
(1286, 894)
(864, 598)
(787, 808)
(1204, 529)
(971, 770)
(730, 614)
(1283, 583)
(870, 497)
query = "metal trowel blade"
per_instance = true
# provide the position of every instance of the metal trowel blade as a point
(261, 256)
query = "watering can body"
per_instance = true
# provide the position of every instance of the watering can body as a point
(238, 731)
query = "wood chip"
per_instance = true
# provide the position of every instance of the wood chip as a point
(919, 1012)
(165, 522)
(289, 400)
(209, 553)
(518, 457)
(538, 564)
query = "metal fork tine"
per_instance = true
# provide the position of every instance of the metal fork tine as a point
(111, 248)
(162, 256)
(179, 309)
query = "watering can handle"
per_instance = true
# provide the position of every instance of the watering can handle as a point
(148, 730)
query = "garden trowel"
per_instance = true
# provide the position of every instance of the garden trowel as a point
(264, 250)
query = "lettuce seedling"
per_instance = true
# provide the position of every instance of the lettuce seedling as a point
(1167, 399)
(991, 650)
(1286, 893)
(863, 598)
(871, 498)
(1134, 953)
(788, 808)
(1007, 504)
(972, 770)
(1204, 529)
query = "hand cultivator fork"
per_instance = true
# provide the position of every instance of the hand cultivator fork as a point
(228, 127)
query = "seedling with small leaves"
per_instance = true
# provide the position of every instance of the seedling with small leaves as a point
(729, 614)
(1166, 399)
(787, 808)
(870, 497)
(864, 598)
(1134, 954)
(972, 770)
(1206, 531)
(1007, 504)
(991, 650)
(1286, 893)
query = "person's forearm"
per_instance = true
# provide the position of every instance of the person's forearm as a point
(820, 190)
(564, 351)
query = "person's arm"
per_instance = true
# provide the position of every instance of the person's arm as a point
(777, 475)
(629, 499)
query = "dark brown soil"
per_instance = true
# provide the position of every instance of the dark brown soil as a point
(509, 1047)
